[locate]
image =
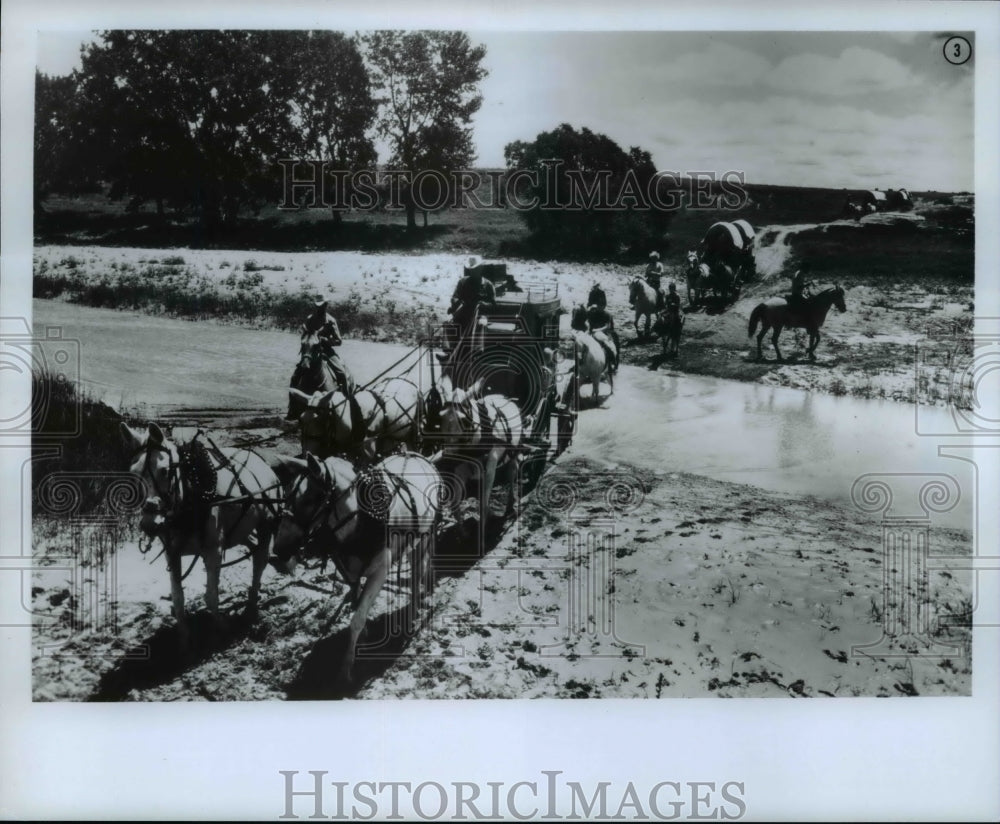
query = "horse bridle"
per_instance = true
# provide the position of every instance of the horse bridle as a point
(173, 472)
(463, 415)
(312, 525)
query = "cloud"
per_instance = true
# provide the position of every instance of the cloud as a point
(721, 64)
(788, 140)
(855, 71)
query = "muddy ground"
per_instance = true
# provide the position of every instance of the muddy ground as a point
(611, 583)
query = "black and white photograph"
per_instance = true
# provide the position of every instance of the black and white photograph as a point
(406, 368)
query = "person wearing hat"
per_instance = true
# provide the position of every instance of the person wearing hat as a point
(472, 293)
(597, 297)
(324, 326)
(654, 273)
(798, 296)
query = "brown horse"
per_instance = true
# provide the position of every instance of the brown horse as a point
(777, 313)
(669, 326)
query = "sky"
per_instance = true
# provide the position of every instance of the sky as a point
(837, 109)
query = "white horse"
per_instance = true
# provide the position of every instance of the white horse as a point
(484, 433)
(385, 416)
(365, 522)
(592, 363)
(642, 299)
(201, 501)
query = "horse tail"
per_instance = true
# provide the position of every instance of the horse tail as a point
(756, 316)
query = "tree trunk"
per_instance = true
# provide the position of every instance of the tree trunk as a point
(411, 215)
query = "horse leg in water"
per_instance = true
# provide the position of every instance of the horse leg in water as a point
(765, 326)
(635, 323)
(774, 340)
(649, 316)
(813, 343)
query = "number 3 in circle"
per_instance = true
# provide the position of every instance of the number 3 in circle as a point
(957, 50)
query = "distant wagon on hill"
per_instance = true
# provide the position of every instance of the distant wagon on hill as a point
(873, 200)
(732, 244)
(899, 200)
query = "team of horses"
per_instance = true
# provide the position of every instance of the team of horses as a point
(361, 493)
(364, 492)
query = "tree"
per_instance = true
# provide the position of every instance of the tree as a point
(584, 195)
(427, 92)
(57, 158)
(332, 108)
(200, 118)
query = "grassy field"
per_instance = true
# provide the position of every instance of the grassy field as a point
(93, 219)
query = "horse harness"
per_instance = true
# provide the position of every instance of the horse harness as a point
(195, 471)
(359, 424)
(374, 479)
(485, 427)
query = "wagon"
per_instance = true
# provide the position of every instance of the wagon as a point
(518, 351)
(721, 282)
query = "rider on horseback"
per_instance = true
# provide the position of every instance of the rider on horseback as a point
(602, 327)
(654, 272)
(597, 297)
(797, 299)
(324, 326)
(672, 301)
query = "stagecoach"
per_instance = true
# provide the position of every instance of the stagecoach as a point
(517, 350)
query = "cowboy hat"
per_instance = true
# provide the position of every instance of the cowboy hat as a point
(654, 255)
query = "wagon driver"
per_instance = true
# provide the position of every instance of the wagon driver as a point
(472, 293)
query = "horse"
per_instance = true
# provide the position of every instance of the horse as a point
(717, 275)
(599, 324)
(370, 422)
(669, 326)
(777, 314)
(593, 360)
(202, 500)
(699, 277)
(643, 299)
(365, 522)
(320, 369)
(486, 432)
